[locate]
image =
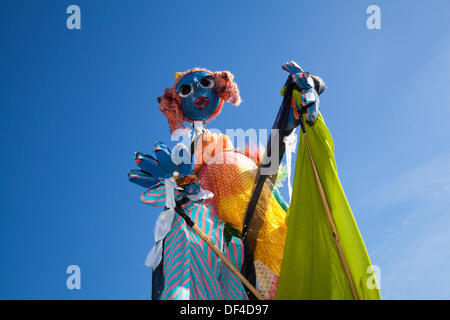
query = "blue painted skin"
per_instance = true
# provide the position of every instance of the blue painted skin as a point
(201, 102)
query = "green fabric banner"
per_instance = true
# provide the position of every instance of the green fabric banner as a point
(311, 267)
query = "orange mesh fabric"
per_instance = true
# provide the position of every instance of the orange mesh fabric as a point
(230, 175)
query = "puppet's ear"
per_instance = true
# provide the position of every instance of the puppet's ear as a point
(170, 106)
(226, 88)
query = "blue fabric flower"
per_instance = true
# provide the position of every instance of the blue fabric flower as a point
(154, 170)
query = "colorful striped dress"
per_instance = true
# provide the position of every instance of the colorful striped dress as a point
(190, 268)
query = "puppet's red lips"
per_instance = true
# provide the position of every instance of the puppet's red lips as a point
(201, 102)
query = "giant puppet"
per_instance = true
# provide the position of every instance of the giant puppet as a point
(225, 232)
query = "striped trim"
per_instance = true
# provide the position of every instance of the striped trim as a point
(192, 271)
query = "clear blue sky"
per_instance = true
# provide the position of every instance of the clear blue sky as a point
(76, 104)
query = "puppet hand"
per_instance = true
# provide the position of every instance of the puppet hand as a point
(306, 91)
(153, 170)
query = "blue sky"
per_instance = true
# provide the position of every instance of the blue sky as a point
(76, 104)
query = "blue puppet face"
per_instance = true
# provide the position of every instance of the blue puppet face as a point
(198, 99)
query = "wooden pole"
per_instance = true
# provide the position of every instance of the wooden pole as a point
(330, 219)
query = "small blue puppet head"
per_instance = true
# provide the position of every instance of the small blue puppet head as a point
(198, 98)
(197, 95)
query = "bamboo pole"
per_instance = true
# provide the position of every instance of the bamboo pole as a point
(330, 218)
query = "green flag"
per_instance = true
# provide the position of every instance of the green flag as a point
(312, 267)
